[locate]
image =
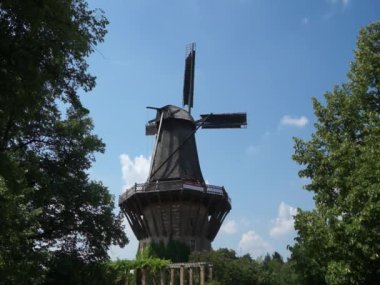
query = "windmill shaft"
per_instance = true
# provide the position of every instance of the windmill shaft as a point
(174, 152)
(176, 155)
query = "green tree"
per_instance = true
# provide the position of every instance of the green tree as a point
(274, 271)
(232, 269)
(127, 271)
(17, 222)
(339, 241)
(228, 268)
(50, 209)
(174, 250)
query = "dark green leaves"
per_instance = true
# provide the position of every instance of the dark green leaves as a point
(338, 242)
(51, 211)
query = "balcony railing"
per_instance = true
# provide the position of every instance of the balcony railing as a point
(174, 185)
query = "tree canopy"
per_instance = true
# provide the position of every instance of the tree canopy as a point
(339, 241)
(232, 269)
(49, 206)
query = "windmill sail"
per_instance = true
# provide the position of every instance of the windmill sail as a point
(188, 81)
(222, 121)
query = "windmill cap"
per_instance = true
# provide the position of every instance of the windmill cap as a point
(174, 112)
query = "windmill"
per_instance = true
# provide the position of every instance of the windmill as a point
(175, 203)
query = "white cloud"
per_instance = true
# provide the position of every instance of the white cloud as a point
(245, 222)
(285, 220)
(254, 244)
(134, 170)
(229, 227)
(252, 150)
(130, 250)
(305, 20)
(294, 121)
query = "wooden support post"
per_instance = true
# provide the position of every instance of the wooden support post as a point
(163, 272)
(138, 276)
(181, 276)
(202, 275)
(190, 276)
(210, 273)
(143, 277)
(172, 276)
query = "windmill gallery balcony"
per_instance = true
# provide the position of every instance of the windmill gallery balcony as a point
(187, 211)
(174, 185)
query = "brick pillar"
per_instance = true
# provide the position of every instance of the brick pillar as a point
(190, 276)
(202, 275)
(172, 276)
(181, 275)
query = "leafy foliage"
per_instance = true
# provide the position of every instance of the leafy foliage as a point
(231, 269)
(228, 268)
(273, 270)
(70, 269)
(51, 211)
(175, 251)
(18, 223)
(125, 270)
(339, 241)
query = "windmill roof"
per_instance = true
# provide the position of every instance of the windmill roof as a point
(171, 111)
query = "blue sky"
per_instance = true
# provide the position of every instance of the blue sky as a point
(266, 58)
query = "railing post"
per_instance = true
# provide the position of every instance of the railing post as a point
(202, 275)
(143, 276)
(171, 276)
(163, 271)
(181, 275)
(190, 276)
(210, 272)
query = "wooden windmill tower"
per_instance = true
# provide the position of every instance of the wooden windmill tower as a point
(175, 203)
